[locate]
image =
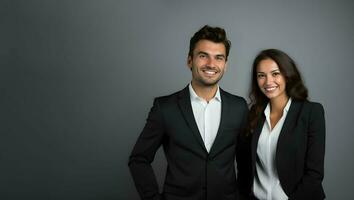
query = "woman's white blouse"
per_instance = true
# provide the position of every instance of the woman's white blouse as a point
(266, 185)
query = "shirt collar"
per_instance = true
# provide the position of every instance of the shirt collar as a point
(194, 95)
(285, 110)
(287, 107)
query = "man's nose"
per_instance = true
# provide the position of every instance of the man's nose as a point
(210, 62)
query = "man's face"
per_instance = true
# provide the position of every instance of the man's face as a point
(207, 63)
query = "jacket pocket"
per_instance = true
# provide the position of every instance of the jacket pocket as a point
(175, 190)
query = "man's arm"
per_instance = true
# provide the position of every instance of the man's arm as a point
(143, 154)
(243, 157)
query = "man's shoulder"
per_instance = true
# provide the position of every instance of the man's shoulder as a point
(173, 96)
(232, 97)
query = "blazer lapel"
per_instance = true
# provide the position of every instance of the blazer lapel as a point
(255, 138)
(288, 126)
(291, 117)
(186, 108)
(224, 116)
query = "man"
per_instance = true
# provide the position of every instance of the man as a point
(198, 128)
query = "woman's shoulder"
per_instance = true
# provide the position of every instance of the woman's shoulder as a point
(311, 108)
(314, 105)
(309, 104)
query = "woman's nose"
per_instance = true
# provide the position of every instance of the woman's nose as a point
(269, 79)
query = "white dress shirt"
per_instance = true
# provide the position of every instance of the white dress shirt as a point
(207, 116)
(266, 184)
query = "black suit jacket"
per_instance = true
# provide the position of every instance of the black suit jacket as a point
(192, 173)
(300, 151)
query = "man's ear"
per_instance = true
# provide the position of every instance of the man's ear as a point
(189, 62)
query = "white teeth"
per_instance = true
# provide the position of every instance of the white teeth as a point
(269, 89)
(210, 72)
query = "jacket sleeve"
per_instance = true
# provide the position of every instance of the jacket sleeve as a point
(143, 154)
(243, 158)
(310, 186)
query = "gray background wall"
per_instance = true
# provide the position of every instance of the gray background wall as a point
(78, 78)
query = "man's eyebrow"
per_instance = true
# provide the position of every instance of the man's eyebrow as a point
(205, 53)
(220, 55)
(202, 52)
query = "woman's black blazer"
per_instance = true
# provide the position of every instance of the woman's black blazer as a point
(300, 151)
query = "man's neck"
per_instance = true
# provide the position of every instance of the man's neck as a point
(205, 92)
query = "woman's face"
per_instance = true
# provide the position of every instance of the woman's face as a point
(270, 80)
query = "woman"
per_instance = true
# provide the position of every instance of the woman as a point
(287, 131)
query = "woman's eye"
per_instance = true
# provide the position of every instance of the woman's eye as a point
(260, 75)
(276, 74)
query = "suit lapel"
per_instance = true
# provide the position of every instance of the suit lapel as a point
(290, 120)
(288, 126)
(224, 116)
(186, 108)
(255, 138)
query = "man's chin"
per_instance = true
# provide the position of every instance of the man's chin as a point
(210, 84)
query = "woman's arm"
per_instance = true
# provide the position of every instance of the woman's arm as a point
(310, 186)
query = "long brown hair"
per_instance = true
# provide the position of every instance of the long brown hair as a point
(295, 87)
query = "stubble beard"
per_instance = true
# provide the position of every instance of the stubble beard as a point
(207, 83)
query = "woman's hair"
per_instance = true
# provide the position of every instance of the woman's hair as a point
(295, 87)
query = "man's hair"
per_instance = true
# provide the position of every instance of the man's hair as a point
(214, 34)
